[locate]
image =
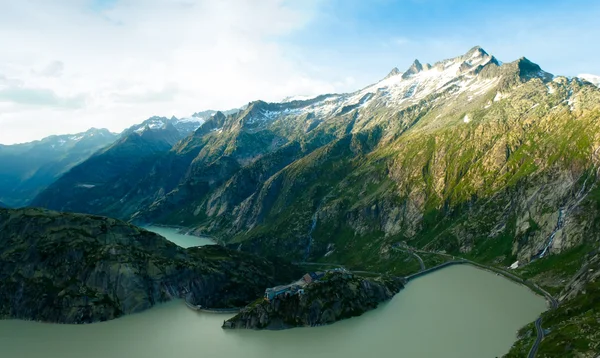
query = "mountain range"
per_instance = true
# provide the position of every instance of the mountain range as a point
(28, 168)
(495, 162)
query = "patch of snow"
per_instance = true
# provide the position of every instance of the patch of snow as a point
(192, 120)
(87, 186)
(534, 106)
(297, 98)
(498, 97)
(442, 76)
(466, 119)
(551, 89)
(515, 265)
(397, 92)
(594, 79)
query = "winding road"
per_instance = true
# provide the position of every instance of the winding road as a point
(540, 336)
(412, 252)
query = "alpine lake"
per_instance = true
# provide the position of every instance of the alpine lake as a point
(459, 311)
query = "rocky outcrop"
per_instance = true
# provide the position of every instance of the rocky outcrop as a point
(73, 268)
(337, 296)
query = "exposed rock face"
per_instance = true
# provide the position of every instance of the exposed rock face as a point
(335, 297)
(73, 268)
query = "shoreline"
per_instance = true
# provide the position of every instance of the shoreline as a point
(533, 287)
(551, 302)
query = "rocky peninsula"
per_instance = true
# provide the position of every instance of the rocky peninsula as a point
(338, 295)
(75, 268)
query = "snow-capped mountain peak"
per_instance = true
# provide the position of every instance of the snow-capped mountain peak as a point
(394, 72)
(414, 69)
(398, 89)
(421, 80)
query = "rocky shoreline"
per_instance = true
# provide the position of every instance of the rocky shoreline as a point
(339, 295)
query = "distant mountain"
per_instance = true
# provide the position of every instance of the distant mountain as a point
(185, 125)
(124, 162)
(2, 205)
(26, 169)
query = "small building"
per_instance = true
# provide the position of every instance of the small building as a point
(271, 293)
(307, 278)
(313, 276)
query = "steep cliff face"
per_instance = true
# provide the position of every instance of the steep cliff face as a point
(72, 268)
(337, 296)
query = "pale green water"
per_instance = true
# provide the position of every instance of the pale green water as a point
(182, 240)
(459, 311)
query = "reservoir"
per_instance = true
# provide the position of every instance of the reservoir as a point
(180, 239)
(459, 312)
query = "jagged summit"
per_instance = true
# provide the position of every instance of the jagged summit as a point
(473, 58)
(476, 51)
(528, 70)
(394, 72)
(415, 68)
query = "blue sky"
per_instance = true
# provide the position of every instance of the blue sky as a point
(76, 64)
(373, 36)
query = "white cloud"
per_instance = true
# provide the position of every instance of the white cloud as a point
(73, 65)
(53, 69)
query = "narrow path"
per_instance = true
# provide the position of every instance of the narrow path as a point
(411, 252)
